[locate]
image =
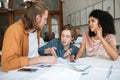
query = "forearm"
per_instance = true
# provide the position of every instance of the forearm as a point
(42, 60)
(44, 51)
(80, 52)
(111, 50)
(47, 51)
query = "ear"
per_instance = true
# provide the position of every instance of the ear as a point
(99, 24)
(38, 18)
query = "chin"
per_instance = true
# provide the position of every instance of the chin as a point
(91, 30)
(64, 44)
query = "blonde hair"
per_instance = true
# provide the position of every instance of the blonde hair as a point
(69, 27)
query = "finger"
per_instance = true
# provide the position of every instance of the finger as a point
(67, 54)
(54, 48)
(72, 59)
(53, 52)
(70, 49)
(100, 28)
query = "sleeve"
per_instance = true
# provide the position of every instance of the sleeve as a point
(12, 57)
(74, 50)
(60, 52)
(50, 44)
(111, 39)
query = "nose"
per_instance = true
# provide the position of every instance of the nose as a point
(45, 22)
(64, 38)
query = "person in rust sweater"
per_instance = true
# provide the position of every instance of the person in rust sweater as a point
(21, 40)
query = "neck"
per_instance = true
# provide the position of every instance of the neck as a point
(96, 37)
(66, 47)
(32, 30)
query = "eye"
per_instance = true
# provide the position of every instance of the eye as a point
(68, 36)
(62, 35)
(93, 20)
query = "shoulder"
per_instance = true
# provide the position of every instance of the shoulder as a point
(55, 40)
(16, 27)
(109, 36)
(74, 47)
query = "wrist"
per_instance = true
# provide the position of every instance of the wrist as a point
(47, 50)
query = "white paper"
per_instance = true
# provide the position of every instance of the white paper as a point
(60, 73)
(81, 67)
(79, 40)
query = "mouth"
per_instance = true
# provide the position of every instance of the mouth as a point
(63, 42)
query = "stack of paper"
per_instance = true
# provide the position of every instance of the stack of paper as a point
(60, 73)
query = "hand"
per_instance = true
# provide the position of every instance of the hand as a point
(51, 50)
(99, 32)
(43, 60)
(72, 58)
(52, 60)
(67, 53)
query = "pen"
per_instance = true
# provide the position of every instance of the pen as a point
(110, 71)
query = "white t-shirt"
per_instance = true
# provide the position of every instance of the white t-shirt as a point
(33, 45)
(42, 42)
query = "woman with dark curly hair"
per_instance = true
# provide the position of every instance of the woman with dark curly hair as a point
(99, 41)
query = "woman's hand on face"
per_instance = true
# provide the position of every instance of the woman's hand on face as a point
(98, 32)
(67, 53)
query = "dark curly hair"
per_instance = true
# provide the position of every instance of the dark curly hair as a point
(105, 20)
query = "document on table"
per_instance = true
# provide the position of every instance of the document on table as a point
(63, 70)
(81, 67)
(60, 73)
(53, 73)
(16, 76)
(72, 65)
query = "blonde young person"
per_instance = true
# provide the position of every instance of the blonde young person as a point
(62, 47)
(99, 41)
(21, 40)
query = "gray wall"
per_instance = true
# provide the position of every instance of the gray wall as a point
(72, 6)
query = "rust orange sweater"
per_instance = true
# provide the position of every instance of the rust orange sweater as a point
(15, 47)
